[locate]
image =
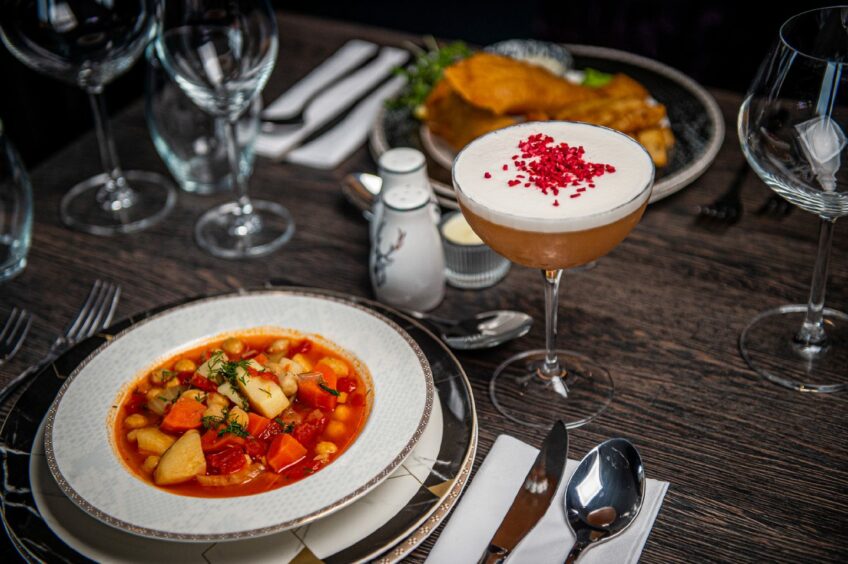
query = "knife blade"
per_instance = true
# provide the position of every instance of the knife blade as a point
(533, 499)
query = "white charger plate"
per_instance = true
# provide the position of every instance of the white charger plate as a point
(79, 439)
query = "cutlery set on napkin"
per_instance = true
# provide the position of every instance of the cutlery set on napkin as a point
(356, 80)
(538, 523)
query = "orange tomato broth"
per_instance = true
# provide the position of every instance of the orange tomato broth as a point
(358, 401)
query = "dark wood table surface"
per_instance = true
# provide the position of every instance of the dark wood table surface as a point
(757, 472)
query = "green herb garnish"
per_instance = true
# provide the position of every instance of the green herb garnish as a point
(233, 428)
(593, 78)
(229, 371)
(328, 389)
(423, 73)
(210, 421)
(287, 427)
(266, 392)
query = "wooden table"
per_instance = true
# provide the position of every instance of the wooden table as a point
(757, 472)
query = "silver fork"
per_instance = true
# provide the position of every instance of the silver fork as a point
(95, 313)
(13, 333)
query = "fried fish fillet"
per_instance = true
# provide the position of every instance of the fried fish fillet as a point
(627, 115)
(450, 117)
(507, 86)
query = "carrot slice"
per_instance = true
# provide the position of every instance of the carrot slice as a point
(186, 414)
(211, 442)
(284, 451)
(256, 423)
(312, 394)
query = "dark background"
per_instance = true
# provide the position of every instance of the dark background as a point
(718, 43)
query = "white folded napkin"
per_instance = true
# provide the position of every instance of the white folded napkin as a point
(490, 495)
(349, 56)
(330, 149)
(330, 103)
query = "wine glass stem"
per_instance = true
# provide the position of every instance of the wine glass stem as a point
(239, 182)
(116, 194)
(812, 333)
(551, 367)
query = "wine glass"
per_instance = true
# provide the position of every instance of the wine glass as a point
(89, 43)
(792, 130)
(221, 53)
(562, 222)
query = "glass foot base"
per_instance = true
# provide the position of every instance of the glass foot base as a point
(769, 347)
(521, 394)
(227, 233)
(146, 199)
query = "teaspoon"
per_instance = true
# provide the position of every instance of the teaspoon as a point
(604, 495)
(484, 330)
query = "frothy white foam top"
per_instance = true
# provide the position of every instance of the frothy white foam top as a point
(615, 195)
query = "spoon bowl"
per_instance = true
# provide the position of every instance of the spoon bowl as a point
(605, 494)
(484, 330)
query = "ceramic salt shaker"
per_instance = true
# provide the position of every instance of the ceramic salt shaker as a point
(407, 262)
(403, 166)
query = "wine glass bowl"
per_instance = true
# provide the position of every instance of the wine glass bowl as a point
(532, 193)
(221, 55)
(792, 129)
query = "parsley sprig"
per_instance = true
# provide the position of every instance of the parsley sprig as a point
(233, 428)
(328, 389)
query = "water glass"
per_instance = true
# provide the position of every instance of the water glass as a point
(191, 142)
(15, 211)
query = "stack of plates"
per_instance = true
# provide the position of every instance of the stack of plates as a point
(401, 477)
(693, 115)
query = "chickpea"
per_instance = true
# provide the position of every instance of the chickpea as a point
(185, 365)
(239, 416)
(289, 384)
(215, 398)
(160, 376)
(173, 383)
(196, 395)
(135, 421)
(342, 413)
(215, 411)
(336, 430)
(154, 393)
(233, 346)
(150, 463)
(280, 346)
(132, 436)
(325, 447)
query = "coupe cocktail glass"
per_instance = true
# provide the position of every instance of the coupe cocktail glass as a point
(552, 230)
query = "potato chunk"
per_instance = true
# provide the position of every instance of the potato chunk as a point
(182, 462)
(152, 440)
(265, 396)
(210, 368)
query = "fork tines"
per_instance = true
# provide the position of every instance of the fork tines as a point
(14, 333)
(96, 312)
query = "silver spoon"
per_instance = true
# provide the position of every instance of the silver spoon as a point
(604, 495)
(484, 330)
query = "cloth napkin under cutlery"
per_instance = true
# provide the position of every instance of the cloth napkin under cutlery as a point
(490, 495)
(283, 143)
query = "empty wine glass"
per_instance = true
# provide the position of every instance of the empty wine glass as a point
(15, 211)
(89, 43)
(792, 130)
(221, 53)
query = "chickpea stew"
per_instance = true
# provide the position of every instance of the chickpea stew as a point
(242, 415)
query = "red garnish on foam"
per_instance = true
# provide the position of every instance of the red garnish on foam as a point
(554, 168)
(487, 175)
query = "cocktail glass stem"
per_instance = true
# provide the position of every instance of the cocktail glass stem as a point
(551, 367)
(116, 194)
(812, 338)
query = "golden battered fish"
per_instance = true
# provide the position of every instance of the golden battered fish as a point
(507, 86)
(456, 121)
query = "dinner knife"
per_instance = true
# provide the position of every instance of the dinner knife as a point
(533, 499)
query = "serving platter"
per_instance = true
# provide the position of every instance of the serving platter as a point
(401, 516)
(693, 115)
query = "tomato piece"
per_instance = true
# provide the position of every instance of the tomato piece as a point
(307, 433)
(263, 374)
(226, 461)
(256, 423)
(255, 448)
(203, 383)
(137, 403)
(186, 414)
(346, 384)
(271, 430)
(284, 451)
(302, 347)
(185, 377)
(261, 359)
(211, 442)
(357, 400)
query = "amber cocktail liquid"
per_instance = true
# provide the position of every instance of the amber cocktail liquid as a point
(553, 195)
